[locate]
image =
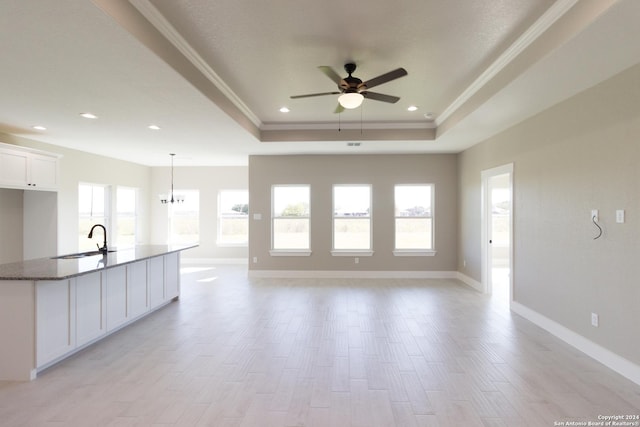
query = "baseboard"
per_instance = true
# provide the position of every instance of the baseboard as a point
(351, 274)
(470, 282)
(608, 358)
(209, 261)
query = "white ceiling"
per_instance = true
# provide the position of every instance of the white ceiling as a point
(214, 74)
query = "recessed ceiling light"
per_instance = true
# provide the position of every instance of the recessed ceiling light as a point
(284, 110)
(38, 127)
(154, 127)
(89, 115)
(429, 116)
(412, 108)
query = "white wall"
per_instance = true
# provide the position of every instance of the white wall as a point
(208, 181)
(77, 166)
(11, 225)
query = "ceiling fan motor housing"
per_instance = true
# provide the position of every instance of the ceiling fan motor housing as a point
(351, 84)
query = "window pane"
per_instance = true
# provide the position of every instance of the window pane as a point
(92, 209)
(291, 217)
(413, 200)
(290, 233)
(352, 217)
(352, 201)
(352, 233)
(291, 201)
(413, 233)
(413, 212)
(233, 222)
(184, 218)
(126, 217)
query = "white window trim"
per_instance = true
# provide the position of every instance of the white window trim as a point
(290, 252)
(414, 252)
(419, 251)
(351, 252)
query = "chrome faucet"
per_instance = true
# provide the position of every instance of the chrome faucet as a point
(102, 249)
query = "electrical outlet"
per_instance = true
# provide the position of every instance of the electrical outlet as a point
(255, 259)
(357, 260)
(620, 216)
(594, 320)
(594, 215)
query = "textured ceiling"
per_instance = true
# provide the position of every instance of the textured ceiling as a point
(213, 74)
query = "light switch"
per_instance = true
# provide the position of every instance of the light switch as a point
(620, 216)
(257, 216)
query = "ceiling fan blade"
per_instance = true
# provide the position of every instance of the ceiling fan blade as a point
(314, 94)
(381, 97)
(339, 109)
(384, 78)
(330, 72)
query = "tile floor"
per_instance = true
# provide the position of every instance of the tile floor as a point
(235, 351)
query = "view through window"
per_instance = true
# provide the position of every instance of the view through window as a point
(233, 217)
(413, 217)
(93, 208)
(184, 219)
(352, 217)
(290, 205)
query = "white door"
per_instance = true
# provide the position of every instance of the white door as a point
(497, 233)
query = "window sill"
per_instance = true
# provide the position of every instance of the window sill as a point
(414, 252)
(351, 253)
(232, 245)
(290, 252)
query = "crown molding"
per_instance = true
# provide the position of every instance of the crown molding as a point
(555, 12)
(171, 34)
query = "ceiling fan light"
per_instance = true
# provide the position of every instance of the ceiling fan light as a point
(350, 100)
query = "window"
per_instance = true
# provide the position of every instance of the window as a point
(352, 219)
(126, 215)
(184, 219)
(93, 208)
(290, 228)
(414, 219)
(233, 217)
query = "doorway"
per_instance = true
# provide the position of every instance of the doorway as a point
(497, 232)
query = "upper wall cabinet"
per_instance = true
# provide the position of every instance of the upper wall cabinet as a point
(28, 169)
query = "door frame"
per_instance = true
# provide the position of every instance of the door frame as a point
(485, 216)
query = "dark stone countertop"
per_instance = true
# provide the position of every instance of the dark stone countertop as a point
(57, 269)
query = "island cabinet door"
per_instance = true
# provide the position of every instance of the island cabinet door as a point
(90, 308)
(117, 310)
(155, 276)
(137, 290)
(55, 320)
(172, 274)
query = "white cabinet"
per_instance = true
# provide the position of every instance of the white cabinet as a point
(90, 308)
(27, 169)
(116, 295)
(155, 280)
(137, 289)
(55, 320)
(172, 275)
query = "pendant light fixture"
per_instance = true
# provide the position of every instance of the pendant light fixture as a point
(177, 198)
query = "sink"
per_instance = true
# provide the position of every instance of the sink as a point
(82, 255)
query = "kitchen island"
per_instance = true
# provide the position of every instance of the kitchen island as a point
(51, 308)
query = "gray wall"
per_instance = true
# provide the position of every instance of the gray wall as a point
(321, 172)
(582, 154)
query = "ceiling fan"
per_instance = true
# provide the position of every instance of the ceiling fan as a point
(353, 90)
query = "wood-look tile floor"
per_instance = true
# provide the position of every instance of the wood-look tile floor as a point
(271, 352)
